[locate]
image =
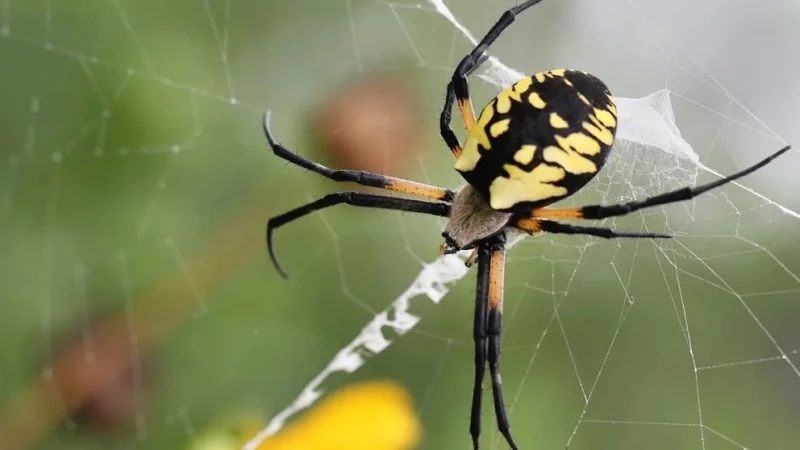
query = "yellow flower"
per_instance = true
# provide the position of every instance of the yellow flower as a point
(376, 415)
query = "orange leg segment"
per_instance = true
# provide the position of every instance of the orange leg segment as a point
(496, 277)
(414, 188)
(467, 112)
(557, 213)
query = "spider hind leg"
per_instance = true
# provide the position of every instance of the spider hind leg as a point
(685, 193)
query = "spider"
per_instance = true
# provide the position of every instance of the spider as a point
(539, 141)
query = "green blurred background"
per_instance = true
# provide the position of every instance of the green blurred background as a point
(136, 185)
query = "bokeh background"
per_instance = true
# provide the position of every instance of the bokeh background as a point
(138, 307)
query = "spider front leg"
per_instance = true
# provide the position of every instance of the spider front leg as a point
(362, 178)
(458, 87)
(355, 199)
(488, 329)
(445, 117)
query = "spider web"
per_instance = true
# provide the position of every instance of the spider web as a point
(131, 136)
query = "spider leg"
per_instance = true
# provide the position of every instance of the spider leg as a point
(479, 336)
(447, 113)
(458, 88)
(678, 195)
(534, 226)
(362, 178)
(356, 199)
(495, 330)
(487, 332)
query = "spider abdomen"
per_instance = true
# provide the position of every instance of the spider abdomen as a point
(540, 140)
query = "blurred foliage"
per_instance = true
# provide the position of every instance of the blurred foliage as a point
(133, 158)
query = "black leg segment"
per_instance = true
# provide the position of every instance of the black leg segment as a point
(355, 199)
(533, 225)
(360, 177)
(479, 336)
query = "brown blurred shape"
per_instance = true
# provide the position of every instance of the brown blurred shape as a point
(373, 124)
(75, 382)
(112, 398)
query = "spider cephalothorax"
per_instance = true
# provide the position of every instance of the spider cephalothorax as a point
(539, 141)
(471, 220)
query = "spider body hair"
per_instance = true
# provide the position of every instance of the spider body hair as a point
(471, 220)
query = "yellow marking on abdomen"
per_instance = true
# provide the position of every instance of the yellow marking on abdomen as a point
(569, 160)
(567, 82)
(599, 131)
(469, 156)
(584, 99)
(525, 154)
(522, 186)
(605, 117)
(477, 136)
(558, 72)
(513, 92)
(613, 108)
(499, 127)
(557, 121)
(536, 100)
(581, 143)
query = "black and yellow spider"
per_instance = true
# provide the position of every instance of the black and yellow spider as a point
(539, 141)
